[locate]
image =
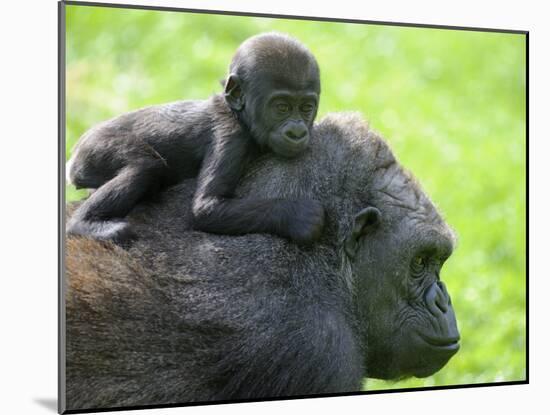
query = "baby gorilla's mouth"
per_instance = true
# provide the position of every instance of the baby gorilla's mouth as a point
(288, 147)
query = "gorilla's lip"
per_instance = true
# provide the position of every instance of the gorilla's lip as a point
(446, 343)
(296, 142)
(291, 148)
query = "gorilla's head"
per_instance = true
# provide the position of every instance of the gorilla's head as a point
(396, 248)
(274, 87)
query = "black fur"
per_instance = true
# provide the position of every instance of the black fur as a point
(269, 104)
(185, 316)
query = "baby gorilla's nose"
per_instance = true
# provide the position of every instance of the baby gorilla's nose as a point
(296, 131)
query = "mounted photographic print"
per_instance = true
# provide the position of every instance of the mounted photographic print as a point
(263, 207)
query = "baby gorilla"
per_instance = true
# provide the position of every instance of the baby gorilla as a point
(269, 103)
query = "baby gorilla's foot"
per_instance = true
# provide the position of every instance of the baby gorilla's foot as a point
(117, 231)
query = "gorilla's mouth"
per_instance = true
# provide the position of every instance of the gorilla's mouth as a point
(439, 349)
(443, 343)
(288, 147)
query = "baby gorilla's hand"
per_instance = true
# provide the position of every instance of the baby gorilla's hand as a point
(306, 225)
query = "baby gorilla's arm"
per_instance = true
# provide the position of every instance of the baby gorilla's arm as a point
(216, 211)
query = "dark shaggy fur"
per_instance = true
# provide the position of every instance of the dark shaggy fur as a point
(185, 316)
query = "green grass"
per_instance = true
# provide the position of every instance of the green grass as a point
(451, 104)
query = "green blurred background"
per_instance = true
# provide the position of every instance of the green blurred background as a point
(450, 103)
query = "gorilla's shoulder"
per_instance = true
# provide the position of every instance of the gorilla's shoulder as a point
(351, 133)
(343, 124)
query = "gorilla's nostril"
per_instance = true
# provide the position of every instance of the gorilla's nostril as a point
(441, 303)
(443, 297)
(437, 299)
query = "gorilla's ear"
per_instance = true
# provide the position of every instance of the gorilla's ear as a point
(364, 222)
(233, 93)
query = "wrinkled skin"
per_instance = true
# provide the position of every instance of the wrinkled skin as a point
(185, 316)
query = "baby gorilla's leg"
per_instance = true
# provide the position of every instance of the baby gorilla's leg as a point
(101, 216)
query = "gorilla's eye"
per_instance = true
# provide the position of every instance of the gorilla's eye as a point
(418, 265)
(283, 108)
(306, 108)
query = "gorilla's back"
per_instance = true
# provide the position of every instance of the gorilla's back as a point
(186, 316)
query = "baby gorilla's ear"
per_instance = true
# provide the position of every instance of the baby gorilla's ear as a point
(363, 223)
(233, 93)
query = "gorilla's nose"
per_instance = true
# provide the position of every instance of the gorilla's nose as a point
(437, 299)
(296, 131)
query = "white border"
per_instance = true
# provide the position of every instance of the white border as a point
(28, 163)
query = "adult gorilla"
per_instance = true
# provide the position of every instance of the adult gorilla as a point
(185, 316)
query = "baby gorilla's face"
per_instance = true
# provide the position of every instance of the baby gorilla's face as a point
(283, 119)
(289, 115)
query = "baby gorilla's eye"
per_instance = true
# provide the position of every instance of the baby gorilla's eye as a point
(307, 108)
(418, 265)
(282, 107)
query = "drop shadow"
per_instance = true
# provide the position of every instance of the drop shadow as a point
(48, 403)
